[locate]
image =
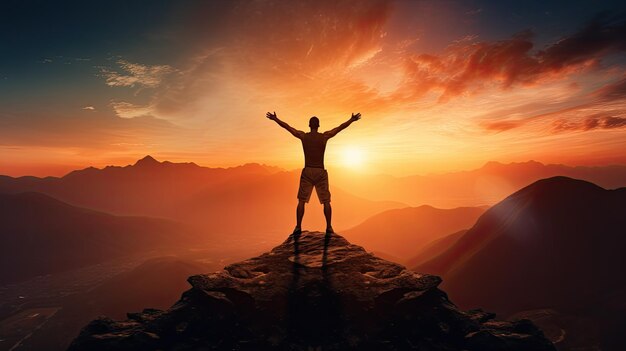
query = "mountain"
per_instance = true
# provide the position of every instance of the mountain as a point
(413, 228)
(42, 235)
(148, 187)
(556, 227)
(483, 186)
(214, 200)
(558, 243)
(312, 292)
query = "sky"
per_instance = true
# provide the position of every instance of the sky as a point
(441, 85)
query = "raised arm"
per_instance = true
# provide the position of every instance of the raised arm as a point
(331, 133)
(292, 130)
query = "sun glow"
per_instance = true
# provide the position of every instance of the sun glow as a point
(353, 157)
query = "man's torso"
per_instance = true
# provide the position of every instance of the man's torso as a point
(314, 145)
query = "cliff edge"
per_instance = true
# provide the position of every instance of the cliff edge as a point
(312, 292)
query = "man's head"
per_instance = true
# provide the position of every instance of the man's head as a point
(314, 122)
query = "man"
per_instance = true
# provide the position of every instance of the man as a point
(313, 174)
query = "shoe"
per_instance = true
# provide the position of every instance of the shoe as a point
(330, 230)
(296, 231)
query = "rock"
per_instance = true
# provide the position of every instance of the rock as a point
(312, 292)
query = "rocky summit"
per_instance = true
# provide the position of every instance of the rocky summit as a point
(312, 292)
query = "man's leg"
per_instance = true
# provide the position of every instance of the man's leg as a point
(304, 194)
(328, 212)
(323, 193)
(299, 213)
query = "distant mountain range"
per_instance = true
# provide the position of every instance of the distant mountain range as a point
(483, 186)
(42, 235)
(147, 187)
(216, 200)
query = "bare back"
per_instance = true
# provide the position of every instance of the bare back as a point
(314, 145)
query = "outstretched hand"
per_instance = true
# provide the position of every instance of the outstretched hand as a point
(271, 116)
(355, 117)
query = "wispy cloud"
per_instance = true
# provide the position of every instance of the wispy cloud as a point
(128, 110)
(136, 75)
(602, 108)
(89, 108)
(474, 12)
(613, 91)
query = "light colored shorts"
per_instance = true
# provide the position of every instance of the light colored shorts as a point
(314, 177)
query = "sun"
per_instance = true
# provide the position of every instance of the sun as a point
(353, 157)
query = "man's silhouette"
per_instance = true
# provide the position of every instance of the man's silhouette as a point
(313, 174)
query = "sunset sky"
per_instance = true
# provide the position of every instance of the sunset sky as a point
(441, 85)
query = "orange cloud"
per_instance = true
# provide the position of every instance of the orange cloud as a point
(296, 50)
(602, 108)
(501, 126)
(613, 91)
(467, 66)
(592, 122)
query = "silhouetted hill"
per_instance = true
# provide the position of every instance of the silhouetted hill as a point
(556, 227)
(483, 186)
(413, 228)
(41, 235)
(312, 291)
(558, 243)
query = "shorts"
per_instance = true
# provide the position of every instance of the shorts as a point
(314, 177)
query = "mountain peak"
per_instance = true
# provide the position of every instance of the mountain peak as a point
(312, 291)
(559, 187)
(147, 161)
